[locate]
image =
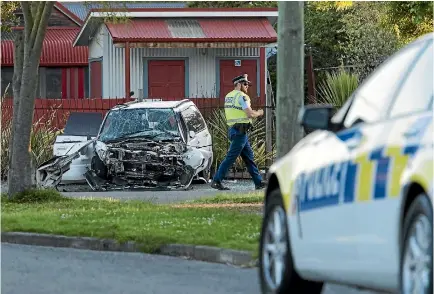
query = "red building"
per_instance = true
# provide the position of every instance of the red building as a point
(63, 69)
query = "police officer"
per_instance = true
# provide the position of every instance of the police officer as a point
(239, 116)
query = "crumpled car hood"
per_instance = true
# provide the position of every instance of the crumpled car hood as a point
(130, 163)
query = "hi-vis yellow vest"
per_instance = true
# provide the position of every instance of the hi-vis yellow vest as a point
(233, 110)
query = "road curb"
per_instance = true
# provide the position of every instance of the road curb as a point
(195, 252)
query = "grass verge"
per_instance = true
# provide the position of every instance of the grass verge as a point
(149, 224)
(251, 197)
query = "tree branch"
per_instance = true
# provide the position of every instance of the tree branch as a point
(34, 8)
(28, 19)
(40, 6)
(42, 27)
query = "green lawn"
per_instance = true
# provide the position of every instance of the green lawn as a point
(251, 197)
(151, 225)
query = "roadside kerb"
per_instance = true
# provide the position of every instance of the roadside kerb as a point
(195, 252)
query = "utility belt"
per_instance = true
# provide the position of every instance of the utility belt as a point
(242, 127)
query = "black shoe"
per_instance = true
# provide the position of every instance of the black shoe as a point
(218, 186)
(262, 185)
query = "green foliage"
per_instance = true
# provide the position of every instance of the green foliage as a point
(219, 130)
(8, 17)
(337, 87)
(37, 196)
(367, 43)
(409, 19)
(331, 5)
(325, 32)
(42, 138)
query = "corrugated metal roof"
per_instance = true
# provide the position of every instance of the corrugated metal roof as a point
(81, 10)
(56, 50)
(151, 28)
(237, 28)
(185, 28)
(158, 30)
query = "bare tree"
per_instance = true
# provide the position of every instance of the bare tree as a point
(28, 47)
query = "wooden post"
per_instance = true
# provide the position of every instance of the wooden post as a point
(290, 74)
(127, 70)
(311, 77)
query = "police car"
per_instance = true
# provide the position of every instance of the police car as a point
(352, 202)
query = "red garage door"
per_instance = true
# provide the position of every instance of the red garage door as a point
(166, 79)
(228, 71)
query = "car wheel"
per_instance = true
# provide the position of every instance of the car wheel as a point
(416, 274)
(276, 269)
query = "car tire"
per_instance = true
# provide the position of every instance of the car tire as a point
(290, 282)
(99, 167)
(417, 230)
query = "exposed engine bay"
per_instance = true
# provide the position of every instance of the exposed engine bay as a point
(137, 148)
(136, 163)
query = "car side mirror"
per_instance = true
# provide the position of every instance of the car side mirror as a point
(316, 117)
(192, 134)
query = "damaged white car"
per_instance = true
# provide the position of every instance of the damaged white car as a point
(164, 144)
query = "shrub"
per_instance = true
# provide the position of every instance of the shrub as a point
(219, 131)
(37, 196)
(337, 87)
(42, 138)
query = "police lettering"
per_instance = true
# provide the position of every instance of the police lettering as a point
(319, 184)
(229, 100)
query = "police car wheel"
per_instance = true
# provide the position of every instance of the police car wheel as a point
(276, 270)
(416, 274)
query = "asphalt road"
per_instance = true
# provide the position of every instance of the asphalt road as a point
(45, 270)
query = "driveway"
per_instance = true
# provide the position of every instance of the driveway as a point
(198, 191)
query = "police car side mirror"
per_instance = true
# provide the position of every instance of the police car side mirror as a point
(316, 117)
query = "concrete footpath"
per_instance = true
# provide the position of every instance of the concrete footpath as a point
(195, 252)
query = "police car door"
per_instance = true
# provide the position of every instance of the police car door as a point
(326, 223)
(390, 144)
(368, 171)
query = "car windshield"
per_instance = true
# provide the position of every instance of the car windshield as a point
(149, 123)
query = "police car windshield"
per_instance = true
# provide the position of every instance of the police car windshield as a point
(133, 122)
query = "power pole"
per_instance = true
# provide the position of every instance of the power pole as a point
(290, 69)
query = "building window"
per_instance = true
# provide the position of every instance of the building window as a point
(53, 82)
(6, 79)
(50, 82)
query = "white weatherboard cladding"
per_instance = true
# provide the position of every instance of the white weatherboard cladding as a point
(97, 44)
(202, 67)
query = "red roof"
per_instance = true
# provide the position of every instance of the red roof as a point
(194, 30)
(57, 49)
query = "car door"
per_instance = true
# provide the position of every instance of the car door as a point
(198, 135)
(327, 220)
(384, 154)
(368, 170)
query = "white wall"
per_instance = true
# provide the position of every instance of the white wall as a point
(97, 45)
(202, 67)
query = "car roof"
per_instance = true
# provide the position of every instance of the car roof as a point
(153, 104)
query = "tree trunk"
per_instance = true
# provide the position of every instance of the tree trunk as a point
(36, 17)
(16, 85)
(290, 75)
